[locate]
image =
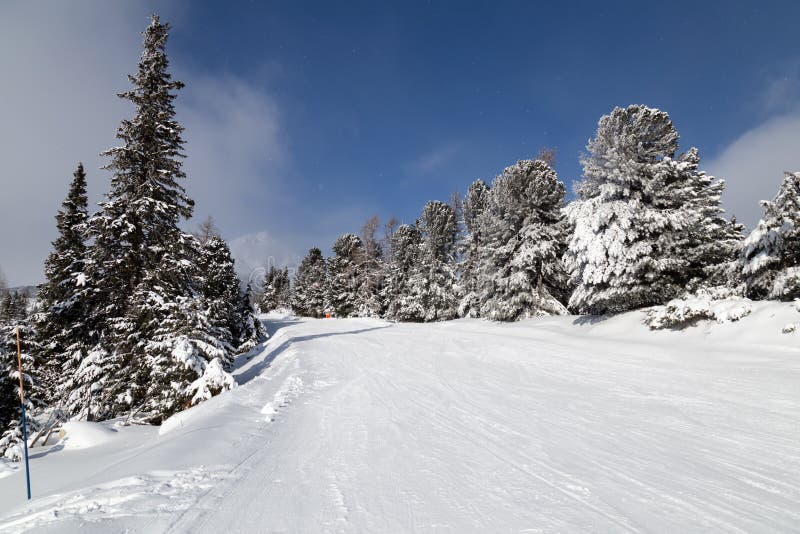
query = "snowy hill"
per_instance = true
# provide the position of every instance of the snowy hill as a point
(551, 425)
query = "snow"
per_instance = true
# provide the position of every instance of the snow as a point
(554, 424)
(82, 434)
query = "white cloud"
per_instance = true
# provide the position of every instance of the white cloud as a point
(434, 160)
(236, 155)
(753, 165)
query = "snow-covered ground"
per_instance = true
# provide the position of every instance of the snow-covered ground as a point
(549, 425)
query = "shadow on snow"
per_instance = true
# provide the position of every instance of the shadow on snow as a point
(251, 373)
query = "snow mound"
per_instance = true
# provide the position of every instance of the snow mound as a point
(82, 434)
(214, 381)
(704, 305)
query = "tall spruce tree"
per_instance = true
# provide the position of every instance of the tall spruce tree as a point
(524, 237)
(770, 255)
(308, 297)
(153, 335)
(61, 326)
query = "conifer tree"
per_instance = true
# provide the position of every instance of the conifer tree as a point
(434, 283)
(276, 289)
(269, 290)
(622, 254)
(345, 276)
(770, 255)
(139, 220)
(146, 298)
(402, 303)
(524, 238)
(220, 289)
(61, 325)
(373, 272)
(284, 289)
(252, 330)
(308, 298)
(474, 205)
(704, 243)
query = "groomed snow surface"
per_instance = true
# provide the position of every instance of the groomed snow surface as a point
(550, 425)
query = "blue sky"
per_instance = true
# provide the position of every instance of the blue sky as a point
(398, 103)
(320, 114)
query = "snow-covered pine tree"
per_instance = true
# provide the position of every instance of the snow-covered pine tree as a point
(269, 290)
(474, 204)
(60, 325)
(622, 253)
(284, 283)
(136, 235)
(252, 330)
(345, 276)
(707, 242)
(770, 255)
(308, 297)
(220, 288)
(171, 335)
(373, 271)
(401, 303)
(524, 237)
(434, 283)
(275, 290)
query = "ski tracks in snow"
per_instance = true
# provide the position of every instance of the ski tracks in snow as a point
(150, 498)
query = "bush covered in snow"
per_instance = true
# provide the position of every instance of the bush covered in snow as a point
(719, 304)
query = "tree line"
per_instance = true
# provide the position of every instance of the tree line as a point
(646, 226)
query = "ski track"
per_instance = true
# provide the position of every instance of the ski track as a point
(363, 426)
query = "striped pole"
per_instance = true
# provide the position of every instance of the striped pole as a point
(24, 422)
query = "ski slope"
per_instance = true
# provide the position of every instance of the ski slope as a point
(549, 425)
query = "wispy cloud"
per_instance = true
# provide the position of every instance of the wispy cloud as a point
(782, 92)
(236, 151)
(434, 160)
